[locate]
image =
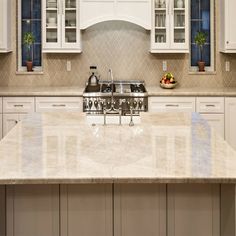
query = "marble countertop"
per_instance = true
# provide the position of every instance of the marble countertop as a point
(53, 148)
(78, 91)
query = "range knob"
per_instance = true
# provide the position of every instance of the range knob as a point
(140, 104)
(135, 104)
(96, 104)
(90, 104)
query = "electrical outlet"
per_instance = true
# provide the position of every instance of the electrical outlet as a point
(68, 65)
(227, 66)
(164, 65)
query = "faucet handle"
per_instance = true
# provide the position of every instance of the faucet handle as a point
(131, 123)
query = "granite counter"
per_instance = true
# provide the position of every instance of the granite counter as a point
(63, 148)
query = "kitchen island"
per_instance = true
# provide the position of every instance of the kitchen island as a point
(171, 174)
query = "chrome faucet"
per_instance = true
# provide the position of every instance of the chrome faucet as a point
(112, 87)
(112, 109)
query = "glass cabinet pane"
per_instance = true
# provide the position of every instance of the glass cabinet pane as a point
(160, 21)
(70, 21)
(52, 21)
(179, 21)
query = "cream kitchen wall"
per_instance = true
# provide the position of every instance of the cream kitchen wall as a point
(122, 46)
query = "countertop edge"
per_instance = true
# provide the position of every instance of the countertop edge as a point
(78, 91)
(132, 180)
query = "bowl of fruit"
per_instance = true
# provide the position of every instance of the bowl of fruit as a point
(168, 81)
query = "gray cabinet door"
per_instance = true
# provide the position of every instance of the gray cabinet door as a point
(2, 211)
(86, 210)
(33, 210)
(140, 209)
(193, 209)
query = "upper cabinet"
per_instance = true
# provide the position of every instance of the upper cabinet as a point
(61, 31)
(5, 26)
(134, 11)
(170, 26)
(227, 26)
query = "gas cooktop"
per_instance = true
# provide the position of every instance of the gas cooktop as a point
(124, 94)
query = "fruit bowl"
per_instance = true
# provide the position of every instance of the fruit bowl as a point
(168, 86)
(168, 81)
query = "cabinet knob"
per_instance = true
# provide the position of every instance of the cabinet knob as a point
(227, 42)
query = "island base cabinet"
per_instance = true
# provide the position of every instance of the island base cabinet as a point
(139, 209)
(2, 210)
(193, 209)
(86, 210)
(32, 210)
(228, 210)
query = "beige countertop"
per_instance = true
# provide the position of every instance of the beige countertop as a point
(41, 91)
(78, 91)
(164, 148)
(195, 91)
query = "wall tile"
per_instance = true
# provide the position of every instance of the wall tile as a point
(122, 46)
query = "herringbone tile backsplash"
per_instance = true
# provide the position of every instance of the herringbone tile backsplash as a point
(122, 46)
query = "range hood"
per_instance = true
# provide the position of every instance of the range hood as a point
(134, 11)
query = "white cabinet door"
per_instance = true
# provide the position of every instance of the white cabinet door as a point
(179, 24)
(10, 120)
(70, 24)
(61, 31)
(5, 26)
(230, 24)
(51, 24)
(170, 26)
(171, 104)
(230, 121)
(216, 121)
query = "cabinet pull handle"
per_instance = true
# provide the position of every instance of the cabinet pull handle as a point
(58, 105)
(172, 8)
(18, 105)
(62, 7)
(168, 7)
(16, 121)
(172, 105)
(210, 105)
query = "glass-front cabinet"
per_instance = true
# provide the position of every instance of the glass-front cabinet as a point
(61, 32)
(170, 30)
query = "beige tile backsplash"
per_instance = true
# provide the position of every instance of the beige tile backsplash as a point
(122, 46)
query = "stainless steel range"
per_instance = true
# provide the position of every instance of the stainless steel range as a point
(125, 97)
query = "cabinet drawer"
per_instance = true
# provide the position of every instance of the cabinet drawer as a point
(50, 104)
(169, 104)
(210, 104)
(18, 104)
